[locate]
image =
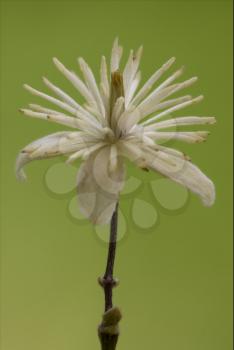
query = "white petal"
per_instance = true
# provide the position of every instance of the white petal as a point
(63, 119)
(85, 152)
(98, 189)
(139, 112)
(79, 112)
(52, 145)
(113, 158)
(173, 102)
(128, 119)
(133, 151)
(116, 55)
(76, 82)
(104, 76)
(61, 94)
(51, 99)
(168, 81)
(57, 118)
(91, 83)
(150, 104)
(184, 173)
(41, 109)
(172, 151)
(117, 111)
(181, 121)
(151, 81)
(189, 136)
(173, 109)
(132, 89)
(130, 70)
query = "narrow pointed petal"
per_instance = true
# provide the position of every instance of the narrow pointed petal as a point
(117, 111)
(98, 189)
(172, 109)
(168, 81)
(61, 94)
(181, 121)
(41, 109)
(51, 99)
(77, 123)
(75, 81)
(116, 55)
(173, 102)
(150, 104)
(130, 70)
(134, 85)
(91, 83)
(189, 136)
(151, 81)
(104, 76)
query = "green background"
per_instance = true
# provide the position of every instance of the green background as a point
(175, 289)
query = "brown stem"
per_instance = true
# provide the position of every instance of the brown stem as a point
(110, 283)
(109, 330)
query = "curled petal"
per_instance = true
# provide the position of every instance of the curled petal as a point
(49, 146)
(183, 172)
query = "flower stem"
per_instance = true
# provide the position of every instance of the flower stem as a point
(111, 261)
(108, 330)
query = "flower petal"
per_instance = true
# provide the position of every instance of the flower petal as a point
(150, 104)
(98, 187)
(186, 136)
(170, 110)
(76, 82)
(49, 146)
(41, 109)
(92, 85)
(183, 172)
(132, 89)
(130, 70)
(88, 126)
(61, 94)
(51, 99)
(181, 121)
(116, 55)
(104, 77)
(151, 81)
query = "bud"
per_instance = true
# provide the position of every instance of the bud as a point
(117, 88)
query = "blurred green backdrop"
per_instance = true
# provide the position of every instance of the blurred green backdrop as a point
(175, 289)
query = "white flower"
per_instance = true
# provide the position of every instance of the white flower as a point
(118, 119)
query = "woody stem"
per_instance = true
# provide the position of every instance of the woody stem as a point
(108, 330)
(108, 276)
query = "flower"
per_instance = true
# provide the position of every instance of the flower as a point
(118, 120)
